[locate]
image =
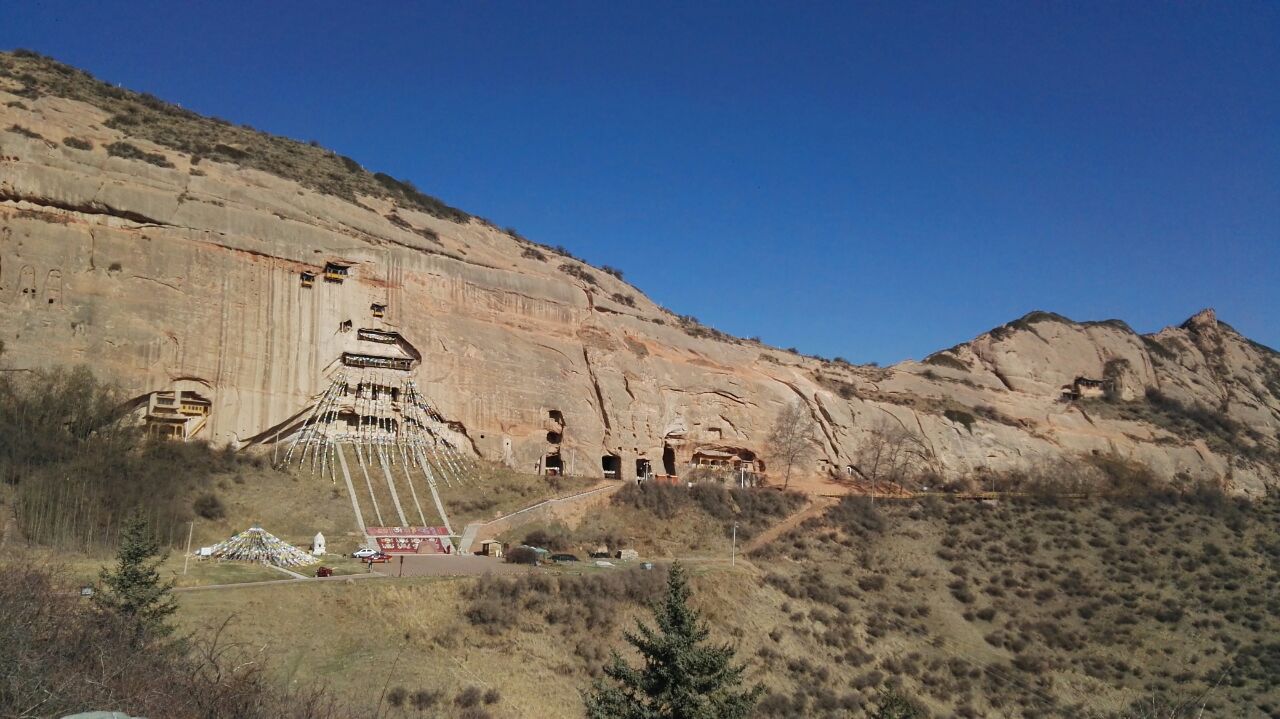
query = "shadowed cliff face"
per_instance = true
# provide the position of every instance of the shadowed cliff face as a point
(169, 259)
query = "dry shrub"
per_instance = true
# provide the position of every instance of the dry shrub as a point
(753, 509)
(80, 464)
(60, 657)
(556, 538)
(583, 604)
(856, 515)
(522, 555)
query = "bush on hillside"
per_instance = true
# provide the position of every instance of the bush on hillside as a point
(20, 130)
(62, 657)
(77, 143)
(574, 603)
(555, 538)
(522, 555)
(80, 462)
(129, 151)
(209, 506)
(752, 508)
(579, 272)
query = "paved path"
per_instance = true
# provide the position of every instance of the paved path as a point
(351, 488)
(456, 566)
(486, 530)
(241, 585)
(290, 572)
(438, 565)
(815, 506)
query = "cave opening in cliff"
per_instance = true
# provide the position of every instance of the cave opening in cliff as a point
(378, 309)
(553, 437)
(643, 468)
(612, 466)
(308, 279)
(553, 465)
(669, 460)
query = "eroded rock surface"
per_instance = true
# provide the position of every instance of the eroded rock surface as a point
(167, 270)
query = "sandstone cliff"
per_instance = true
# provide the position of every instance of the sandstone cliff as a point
(171, 251)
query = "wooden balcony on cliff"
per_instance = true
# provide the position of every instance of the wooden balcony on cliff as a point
(351, 359)
(336, 272)
(382, 336)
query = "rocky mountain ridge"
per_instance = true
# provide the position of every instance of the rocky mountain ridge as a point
(172, 253)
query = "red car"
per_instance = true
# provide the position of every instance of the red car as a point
(324, 572)
(379, 558)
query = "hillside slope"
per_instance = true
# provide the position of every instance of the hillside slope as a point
(168, 251)
(1099, 609)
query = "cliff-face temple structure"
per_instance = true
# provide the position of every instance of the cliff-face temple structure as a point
(253, 290)
(372, 407)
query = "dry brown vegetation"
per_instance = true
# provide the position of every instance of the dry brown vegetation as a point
(752, 510)
(73, 461)
(492, 490)
(147, 117)
(1044, 607)
(77, 466)
(584, 611)
(1190, 421)
(58, 656)
(1047, 606)
(668, 521)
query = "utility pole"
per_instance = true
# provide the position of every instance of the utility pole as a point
(186, 558)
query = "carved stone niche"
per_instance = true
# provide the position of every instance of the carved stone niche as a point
(53, 288)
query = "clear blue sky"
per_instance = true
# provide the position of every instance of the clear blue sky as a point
(874, 181)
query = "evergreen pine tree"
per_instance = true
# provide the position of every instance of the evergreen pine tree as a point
(682, 677)
(134, 590)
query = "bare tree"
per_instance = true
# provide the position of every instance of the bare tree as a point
(791, 439)
(891, 454)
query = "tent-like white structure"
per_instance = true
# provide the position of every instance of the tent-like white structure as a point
(261, 547)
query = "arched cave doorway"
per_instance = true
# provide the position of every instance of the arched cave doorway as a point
(668, 461)
(612, 466)
(553, 465)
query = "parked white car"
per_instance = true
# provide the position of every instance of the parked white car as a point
(365, 553)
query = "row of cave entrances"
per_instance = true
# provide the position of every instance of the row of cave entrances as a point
(611, 464)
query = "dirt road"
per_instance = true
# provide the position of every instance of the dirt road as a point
(815, 506)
